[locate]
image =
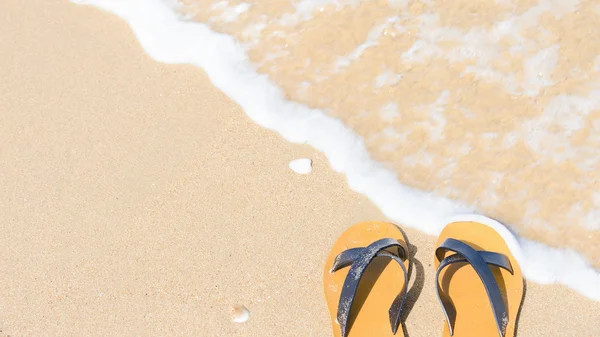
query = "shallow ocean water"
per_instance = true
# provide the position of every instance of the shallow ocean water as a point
(495, 105)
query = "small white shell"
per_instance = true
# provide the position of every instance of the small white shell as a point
(301, 166)
(239, 313)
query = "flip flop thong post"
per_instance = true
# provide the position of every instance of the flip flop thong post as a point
(478, 281)
(365, 280)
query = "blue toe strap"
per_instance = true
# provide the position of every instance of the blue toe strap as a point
(479, 261)
(359, 259)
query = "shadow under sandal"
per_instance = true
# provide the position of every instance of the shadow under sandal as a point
(365, 280)
(479, 283)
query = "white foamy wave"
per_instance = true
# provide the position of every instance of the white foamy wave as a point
(169, 39)
(230, 13)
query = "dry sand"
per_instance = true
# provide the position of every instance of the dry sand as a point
(137, 200)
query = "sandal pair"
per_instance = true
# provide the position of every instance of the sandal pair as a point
(478, 280)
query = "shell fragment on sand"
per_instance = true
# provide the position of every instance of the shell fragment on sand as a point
(239, 314)
(301, 166)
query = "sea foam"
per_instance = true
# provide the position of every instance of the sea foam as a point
(170, 39)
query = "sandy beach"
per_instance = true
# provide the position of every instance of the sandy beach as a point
(138, 200)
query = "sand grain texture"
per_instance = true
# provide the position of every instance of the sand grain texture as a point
(137, 200)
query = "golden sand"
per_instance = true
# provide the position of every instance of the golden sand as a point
(130, 194)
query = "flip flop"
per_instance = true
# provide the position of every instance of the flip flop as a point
(365, 280)
(479, 282)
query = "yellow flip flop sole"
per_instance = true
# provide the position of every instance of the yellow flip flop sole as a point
(374, 308)
(461, 283)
